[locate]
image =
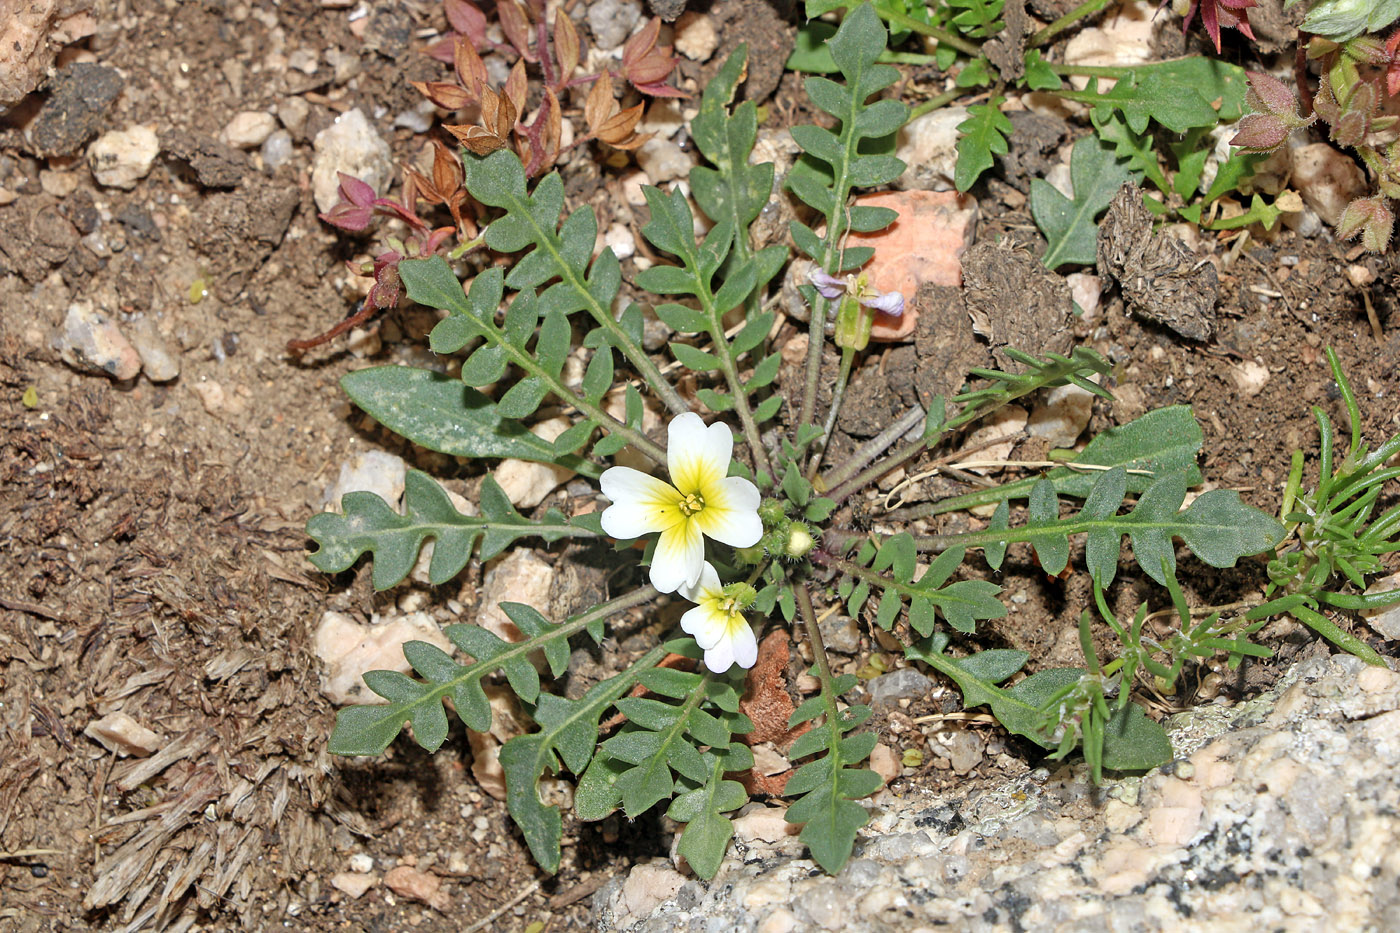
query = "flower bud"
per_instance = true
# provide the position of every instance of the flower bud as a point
(799, 541)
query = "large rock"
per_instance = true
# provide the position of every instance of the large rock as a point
(31, 33)
(1277, 815)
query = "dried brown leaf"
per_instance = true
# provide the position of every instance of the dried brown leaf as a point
(445, 95)
(643, 42)
(599, 105)
(471, 71)
(618, 129)
(566, 46)
(517, 84)
(516, 25)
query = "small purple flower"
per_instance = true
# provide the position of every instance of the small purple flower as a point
(831, 287)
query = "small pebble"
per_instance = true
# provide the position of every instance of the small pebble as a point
(696, 37)
(623, 244)
(612, 21)
(362, 862)
(91, 341)
(348, 145)
(121, 158)
(277, 149)
(663, 160)
(158, 362)
(249, 129)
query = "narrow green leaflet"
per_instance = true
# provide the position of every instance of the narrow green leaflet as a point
(983, 135)
(829, 785)
(568, 732)
(1217, 527)
(442, 414)
(1068, 224)
(368, 730)
(370, 525)
(1179, 95)
(708, 830)
(963, 603)
(1131, 741)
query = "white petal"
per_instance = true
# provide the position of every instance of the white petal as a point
(707, 587)
(696, 455)
(720, 658)
(732, 516)
(745, 647)
(679, 557)
(704, 625)
(641, 503)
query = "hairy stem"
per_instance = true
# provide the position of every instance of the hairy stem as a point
(527, 362)
(837, 395)
(814, 635)
(841, 483)
(944, 37)
(1085, 9)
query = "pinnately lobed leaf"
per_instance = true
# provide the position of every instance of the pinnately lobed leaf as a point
(1068, 223)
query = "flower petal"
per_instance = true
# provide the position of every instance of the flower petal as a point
(891, 303)
(641, 503)
(731, 512)
(829, 286)
(720, 658)
(679, 557)
(745, 646)
(706, 588)
(705, 625)
(696, 455)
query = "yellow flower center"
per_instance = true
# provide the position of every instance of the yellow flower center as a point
(691, 504)
(729, 605)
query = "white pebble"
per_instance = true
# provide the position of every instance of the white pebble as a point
(696, 38)
(121, 158)
(249, 129)
(623, 244)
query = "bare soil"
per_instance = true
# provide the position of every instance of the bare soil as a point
(153, 557)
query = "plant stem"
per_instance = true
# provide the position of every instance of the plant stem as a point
(898, 458)
(814, 635)
(1087, 8)
(933, 103)
(526, 361)
(547, 240)
(944, 37)
(870, 450)
(839, 393)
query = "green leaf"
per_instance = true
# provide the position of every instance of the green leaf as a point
(1040, 76)
(369, 525)
(442, 414)
(1165, 441)
(983, 135)
(978, 18)
(809, 52)
(1217, 527)
(1341, 20)
(368, 730)
(707, 832)
(1068, 224)
(857, 153)
(569, 731)
(1135, 150)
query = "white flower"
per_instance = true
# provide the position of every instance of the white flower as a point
(717, 624)
(704, 502)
